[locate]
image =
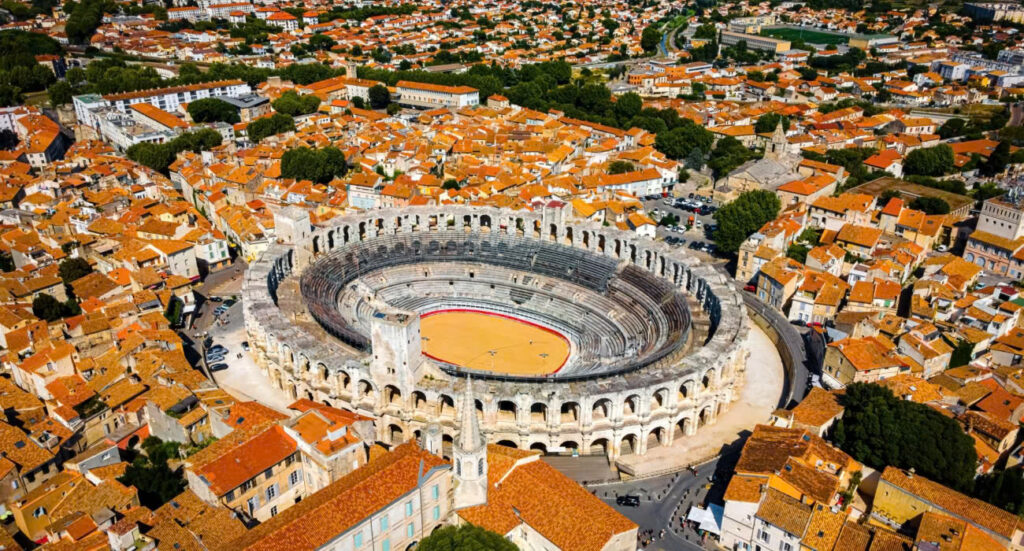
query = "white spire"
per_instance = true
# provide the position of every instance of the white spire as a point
(469, 426)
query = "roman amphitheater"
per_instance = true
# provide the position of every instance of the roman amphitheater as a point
(576, 337)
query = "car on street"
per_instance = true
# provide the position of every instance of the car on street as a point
(245, 346)
(218, 367)
(217, 348)
(749, 287)
(628, 501)
(216, 299)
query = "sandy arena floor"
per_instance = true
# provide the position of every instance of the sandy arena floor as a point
(492, 342)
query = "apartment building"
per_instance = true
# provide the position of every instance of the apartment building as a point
(168, 99)
(755, 42)
(433, 96)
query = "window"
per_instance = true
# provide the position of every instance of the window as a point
(384, 524)
(480, 467)
(40, 511)
(411, 529)
(253, 503)
(763, 536)
(435, 492)
(408, 509)
(272, 492)
(268, 473)
(273, 511)
(437, 512)
(386, 546)
(295, 477)
(786, 547)
(358, 540)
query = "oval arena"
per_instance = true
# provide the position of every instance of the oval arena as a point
(576, 337)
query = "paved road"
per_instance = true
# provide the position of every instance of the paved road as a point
(665, 501)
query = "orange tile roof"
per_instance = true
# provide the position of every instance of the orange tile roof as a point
(247, 460)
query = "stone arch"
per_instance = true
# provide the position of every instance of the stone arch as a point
(569, 446)
(485, 222)
(392, 396)
(705, 416)
(445, 407)
(586, 240)
(683, 427)
(507, 411)
(686, 390)
(570, 412)
(539, 412)
(539, 446)
(599, 446)
(569, 236)
(366, 391)
(709, 380)
(447, 443)
(316, 244)
(395, 434)
(602, 410)
(419, 402)
(631, 405)
(657, 436)
(508, 444)
(659, 399)
(629, 444)
(600, 243)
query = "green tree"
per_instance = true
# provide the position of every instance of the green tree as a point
(291, 103)
(798, 252)
(379, 96)
(317, 165)
(997, 160)
(620, 167)
(650, 38)
(1004, 489)
(744, 216)
(962, 354)
(930, 161)
(213, 110)
(881, 430)
(679, 142)
(930, 205)
(60, 93)
(152, 476)
(47, 308)
(278, 123)
(767, 123)
(728, 154)
(467, 537)
(6, 262)
(321, 42)
(73, 269)
(8, 139)
(628, 105)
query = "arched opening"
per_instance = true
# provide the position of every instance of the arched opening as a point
(570, 412)
(316, 244)
(600, 243)
(568, 236)
(682, 428)
(659, 400)
(365, 391)
(709, 380)
(553, 232)
(419, 402)
(507, 411)
(704, 417)
(538, 413)
(570, 447)
(656, 438)
(602, 410)
(392, 396)
(446, 446)
(684, 390)
(586, 240)
(599, 447)
(485, 223)
(344, 381)
(446, 407)
(395, 434)
(627, 445)
(631, 406)
(309, 396)
(508, 444)
(133, 441)
(539, 446)
(479, 409)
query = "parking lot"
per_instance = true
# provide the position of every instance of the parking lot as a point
(698, 237)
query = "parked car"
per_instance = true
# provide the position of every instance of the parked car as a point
(216, 299)
(749, 287)
(628, 501)
(245, 346)
(218, 367)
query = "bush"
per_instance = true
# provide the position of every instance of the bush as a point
(880, 430)
(291, 103)
(317, 165)
(930, 161)
(278, 123)
(930, 205)
(159, 157)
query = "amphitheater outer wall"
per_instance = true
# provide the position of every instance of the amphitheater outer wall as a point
(612, 415)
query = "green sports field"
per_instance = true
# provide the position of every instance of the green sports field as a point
(807, 35)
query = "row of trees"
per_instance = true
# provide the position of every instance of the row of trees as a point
(740, 218)
(212, 110)
(160, 156)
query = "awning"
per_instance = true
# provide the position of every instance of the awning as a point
(709, 520)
